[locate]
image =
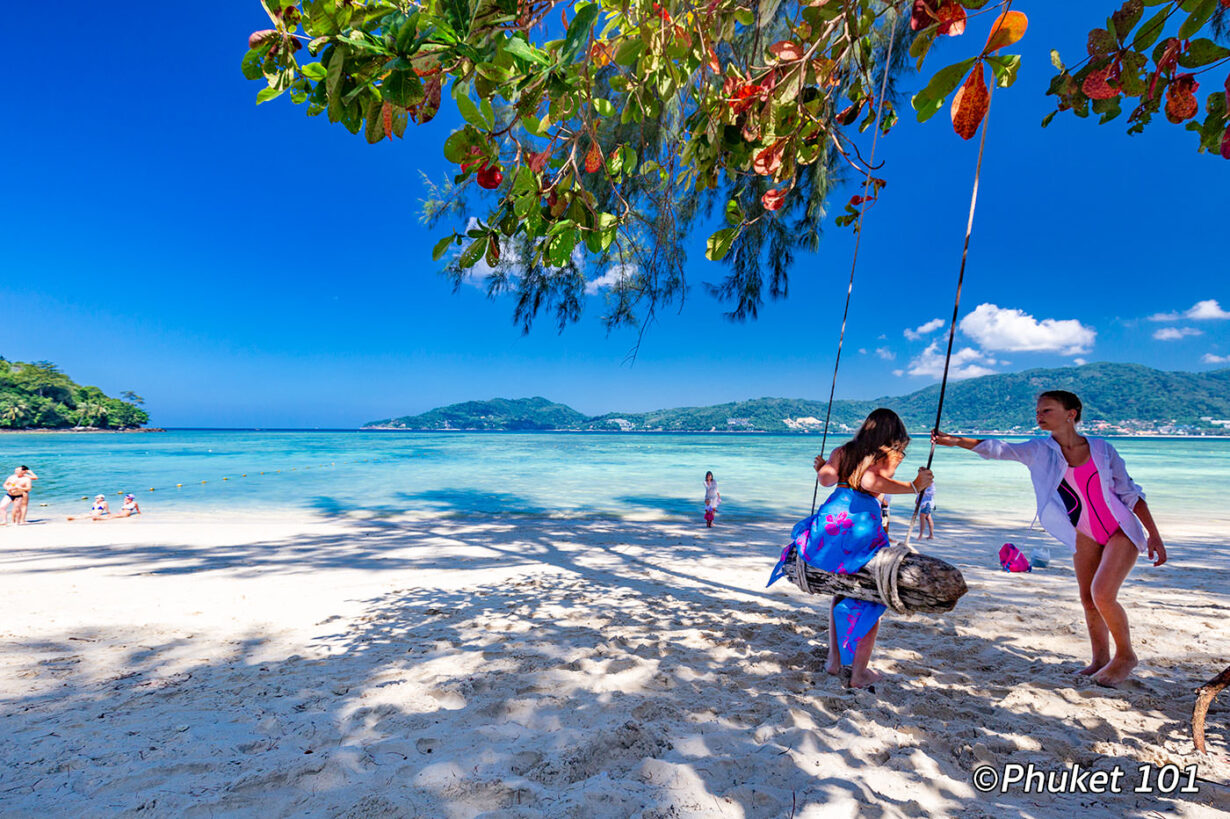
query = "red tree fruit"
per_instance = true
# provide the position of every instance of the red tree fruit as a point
(970, 104)
(1225, 144)
(490, 177)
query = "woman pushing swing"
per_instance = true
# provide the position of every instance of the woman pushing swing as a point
(1087, 501)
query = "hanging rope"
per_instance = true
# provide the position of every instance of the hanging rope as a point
(956, 305)
(858, 236)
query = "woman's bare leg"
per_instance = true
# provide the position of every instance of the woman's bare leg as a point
(1118, 557)
(860, 675)
(833, 664)
(1086, 561)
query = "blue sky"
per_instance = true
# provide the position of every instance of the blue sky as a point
(161, 233)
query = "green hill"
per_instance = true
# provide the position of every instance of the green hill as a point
(1118, 398)
(498, 413)
(39, 396)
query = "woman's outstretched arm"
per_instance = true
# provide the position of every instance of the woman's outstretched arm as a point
(944, 439)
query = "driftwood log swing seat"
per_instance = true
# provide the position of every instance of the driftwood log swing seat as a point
(897, 576)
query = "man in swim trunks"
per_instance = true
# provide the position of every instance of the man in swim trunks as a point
(17, 494)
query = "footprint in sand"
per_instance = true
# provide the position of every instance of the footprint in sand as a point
(427, 745)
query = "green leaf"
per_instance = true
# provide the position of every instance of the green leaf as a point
(1004, 67)
(1055, 61)
(929, 100)
(468, 110)
(457, 146)
(719, 243)
(253, 62)
(615, 162)
(1148, 33)
(629, 51)
(267, 94)
(629, 159)
(1196, 20)
(1046, 120)
(578, 31)
(314, 71)
(473, 253)
(1202, 52)
(520, 48)
(442, 246)
(734, 213)
(603, 107)
(402, 88)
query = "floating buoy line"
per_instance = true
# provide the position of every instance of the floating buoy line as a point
(267, 472)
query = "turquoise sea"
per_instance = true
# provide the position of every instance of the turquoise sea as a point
(642, 476)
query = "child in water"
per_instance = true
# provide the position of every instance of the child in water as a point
(712, 498)
(848, 530)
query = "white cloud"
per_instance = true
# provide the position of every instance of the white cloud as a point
(1001, 328)
(899, 372)
(1080, 362)
(613, 276)
(930, 327)
(966, 363)
(1209, 358)
(1200, 311)
(885, 353)
(1176, 333)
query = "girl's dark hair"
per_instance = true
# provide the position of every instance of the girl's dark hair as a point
(881, 435)
(708, 476)
(1067, 400)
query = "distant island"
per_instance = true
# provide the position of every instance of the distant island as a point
(1120, 399)
(39, 396)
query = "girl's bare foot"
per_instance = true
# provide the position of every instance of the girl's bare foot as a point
(863, 678)
(833, 668)
(1116, 671)
(1093, 668)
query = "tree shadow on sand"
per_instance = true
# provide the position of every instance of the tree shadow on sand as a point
(617, 683)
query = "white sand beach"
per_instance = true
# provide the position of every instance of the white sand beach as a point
(538, 667)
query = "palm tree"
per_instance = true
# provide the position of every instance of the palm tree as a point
(15, 414)
(132, 398)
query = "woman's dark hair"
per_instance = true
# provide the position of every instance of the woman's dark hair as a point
(1067, 400)
(708, 476)
(881, 434)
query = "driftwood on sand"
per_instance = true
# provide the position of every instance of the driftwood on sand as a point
(924, 583)
(1204, 696)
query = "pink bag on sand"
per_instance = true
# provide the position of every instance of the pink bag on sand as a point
(1013, 560)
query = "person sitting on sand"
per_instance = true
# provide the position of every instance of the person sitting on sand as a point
(712, 499)
(17, 495)
(130, 508)
(99, 511)
(1088, 502)
(848, 529)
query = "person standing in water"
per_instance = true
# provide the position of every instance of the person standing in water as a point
(712, 499)
(1088, 502)
(926, 506)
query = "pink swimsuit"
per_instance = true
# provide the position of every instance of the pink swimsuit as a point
(1081, 492)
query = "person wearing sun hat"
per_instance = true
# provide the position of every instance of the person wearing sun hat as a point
(130, 508)
(99, 511)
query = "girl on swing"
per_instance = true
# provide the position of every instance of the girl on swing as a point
(1086, 500)
(847, 530)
